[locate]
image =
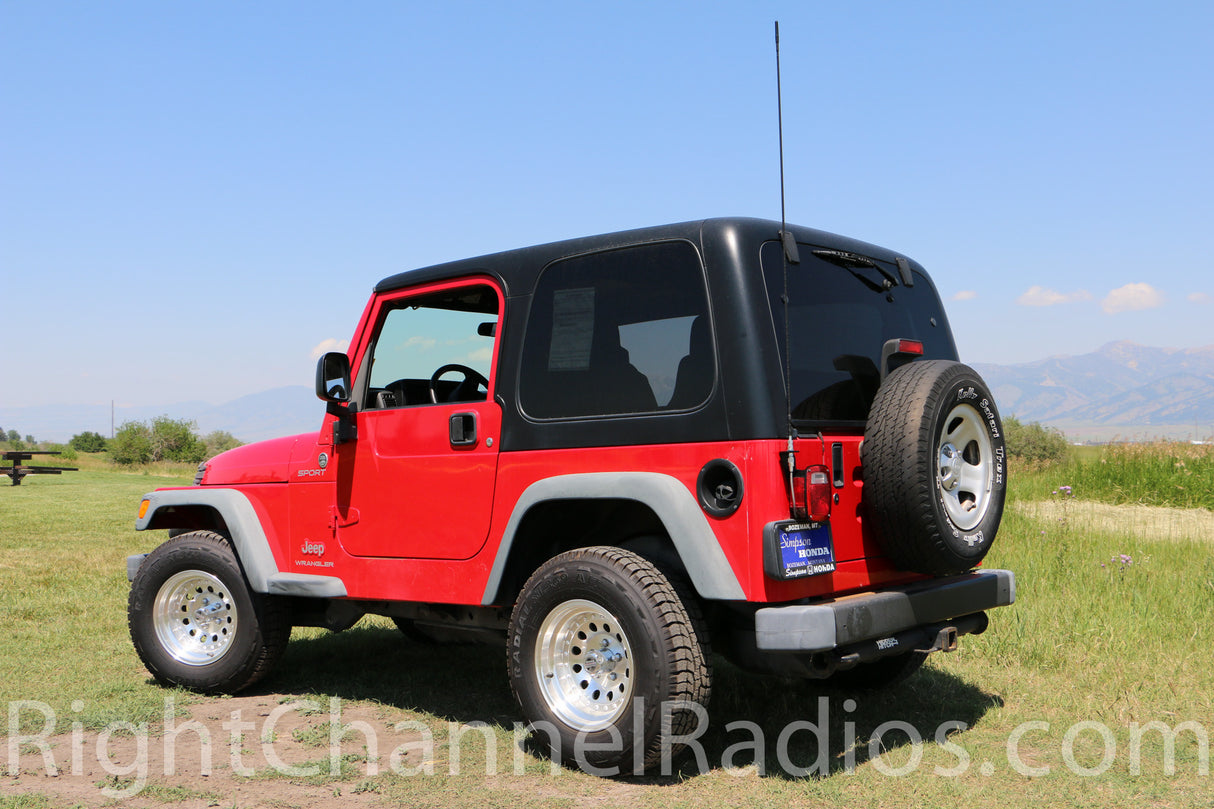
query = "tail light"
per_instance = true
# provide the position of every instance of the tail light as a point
(819, 493)
(811, 495)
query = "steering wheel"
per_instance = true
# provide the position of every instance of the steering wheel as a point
(472, 377)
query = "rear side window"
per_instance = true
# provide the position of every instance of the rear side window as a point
(840, 313)
(619, 332)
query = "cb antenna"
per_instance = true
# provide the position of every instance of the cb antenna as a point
(790, 257)
(790, 244)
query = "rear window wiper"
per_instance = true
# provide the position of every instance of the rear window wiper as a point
(853, 261)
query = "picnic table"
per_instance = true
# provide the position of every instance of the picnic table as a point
(17, 471)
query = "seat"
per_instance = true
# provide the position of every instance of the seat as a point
(618, 386)
(693, 380)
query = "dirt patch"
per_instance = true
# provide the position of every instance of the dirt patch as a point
(1146, 522)
(268, 750)
(289, 752)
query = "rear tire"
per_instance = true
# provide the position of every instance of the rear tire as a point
(195, 623)
(934, 467)
(607, 661)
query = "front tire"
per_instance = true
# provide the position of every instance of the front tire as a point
(195, 623)
(608, 660)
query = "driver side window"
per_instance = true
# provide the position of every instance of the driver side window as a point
(433, 349)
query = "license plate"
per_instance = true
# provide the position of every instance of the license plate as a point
(805, 550)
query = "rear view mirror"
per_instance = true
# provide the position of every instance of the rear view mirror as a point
(333, 377)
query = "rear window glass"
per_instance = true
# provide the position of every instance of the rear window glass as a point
(840, 313)
(618, 332)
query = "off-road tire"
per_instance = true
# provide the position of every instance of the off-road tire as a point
(194, 621)
(935, 472)
(576, 613)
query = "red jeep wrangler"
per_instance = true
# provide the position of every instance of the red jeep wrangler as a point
(615, 453)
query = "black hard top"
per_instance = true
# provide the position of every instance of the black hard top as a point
(748, 400)
(518, 268)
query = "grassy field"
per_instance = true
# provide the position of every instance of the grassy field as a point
(1179, 475)
(1053, 706)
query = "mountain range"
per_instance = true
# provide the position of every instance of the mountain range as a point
(1120, 390)
(257, 416)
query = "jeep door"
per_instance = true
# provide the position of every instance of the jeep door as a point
(417, 481)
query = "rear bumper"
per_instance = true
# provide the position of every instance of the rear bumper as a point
(869, 616)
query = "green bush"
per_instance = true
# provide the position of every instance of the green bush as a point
(66, 453)
(1033, 443)
(165, 439)
(219, 441)
(132, 444)
(88, 441)
(174, 440)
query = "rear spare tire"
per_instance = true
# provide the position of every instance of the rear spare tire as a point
(935, 471)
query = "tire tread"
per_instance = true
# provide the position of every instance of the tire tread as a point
(899, 467)
(681, 631)
(271, 617)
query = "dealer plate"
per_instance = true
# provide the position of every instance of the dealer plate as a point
(806, 550)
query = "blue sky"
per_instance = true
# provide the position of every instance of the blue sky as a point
(194, 197)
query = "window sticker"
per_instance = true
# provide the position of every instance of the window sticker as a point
(572, 329)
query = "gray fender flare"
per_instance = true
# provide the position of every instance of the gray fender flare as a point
(688, 528)
(248, 539)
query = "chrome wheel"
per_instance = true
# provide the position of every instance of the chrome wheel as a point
(194, 618)
(606, 659)
(583, 664)
(965, 467)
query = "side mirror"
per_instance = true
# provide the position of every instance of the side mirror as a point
(333, 386)
(333, 377)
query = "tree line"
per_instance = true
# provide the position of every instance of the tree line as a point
(139, 442)
(166, 439)
(13, 437)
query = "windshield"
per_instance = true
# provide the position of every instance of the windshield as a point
(842, 309)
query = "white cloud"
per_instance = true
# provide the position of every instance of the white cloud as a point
(1043, 296)
(1132, 298)
(1197, 297)
(965, 295)
(420, 343)
(327, 345)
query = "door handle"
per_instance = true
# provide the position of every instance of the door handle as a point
(336, 520)
(463, 429)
